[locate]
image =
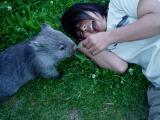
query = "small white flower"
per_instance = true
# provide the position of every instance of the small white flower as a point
(9, 8)
(93, 76)
(130, 71)
(51, 2)
(122, 82)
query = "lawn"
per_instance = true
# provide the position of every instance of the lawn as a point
(85, 92)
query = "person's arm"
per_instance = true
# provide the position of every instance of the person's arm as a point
(147, 25)
(107, 60)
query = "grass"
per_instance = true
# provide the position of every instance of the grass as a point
(85, 92)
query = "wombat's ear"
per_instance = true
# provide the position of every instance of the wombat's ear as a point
(45, 26)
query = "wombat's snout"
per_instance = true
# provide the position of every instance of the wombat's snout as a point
(73, 47)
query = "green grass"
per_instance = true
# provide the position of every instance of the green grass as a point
(108, 96)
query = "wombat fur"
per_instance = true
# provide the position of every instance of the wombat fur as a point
(37, 57)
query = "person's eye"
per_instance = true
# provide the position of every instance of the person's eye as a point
(80, 35)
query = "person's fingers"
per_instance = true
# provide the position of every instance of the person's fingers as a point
(92, 49)
(85, 42)
(95, 51)
(89, 45)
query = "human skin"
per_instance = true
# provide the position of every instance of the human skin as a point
(89, 27)
(105, 59)
(147, 25)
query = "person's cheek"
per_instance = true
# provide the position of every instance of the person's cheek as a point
(85, 35)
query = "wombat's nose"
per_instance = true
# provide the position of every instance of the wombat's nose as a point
(75, 47)
(72, 49)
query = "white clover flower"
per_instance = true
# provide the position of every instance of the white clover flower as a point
(130, 71)
(9, 8)
(93, 76)
(51, 2)
(122, 82)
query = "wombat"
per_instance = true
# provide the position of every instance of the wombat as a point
(34, 58)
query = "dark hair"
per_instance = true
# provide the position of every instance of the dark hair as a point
(77, 13)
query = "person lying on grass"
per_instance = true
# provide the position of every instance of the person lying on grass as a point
(118, 33)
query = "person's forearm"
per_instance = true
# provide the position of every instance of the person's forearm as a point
(147, 26)
(107, 60)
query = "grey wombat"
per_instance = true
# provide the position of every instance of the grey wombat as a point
(30, 59)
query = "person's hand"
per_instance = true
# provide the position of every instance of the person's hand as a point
(97, 42)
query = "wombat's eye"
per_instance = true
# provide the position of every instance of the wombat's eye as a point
(62, 47)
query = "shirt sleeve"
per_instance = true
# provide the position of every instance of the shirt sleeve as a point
(129, 7)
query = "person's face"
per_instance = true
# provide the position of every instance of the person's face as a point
(91, 26)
